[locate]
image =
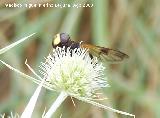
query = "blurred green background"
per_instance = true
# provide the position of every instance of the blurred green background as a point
(131, 26)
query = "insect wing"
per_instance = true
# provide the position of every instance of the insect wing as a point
(105, 54)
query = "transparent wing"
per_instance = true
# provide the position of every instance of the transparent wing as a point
(105, 54)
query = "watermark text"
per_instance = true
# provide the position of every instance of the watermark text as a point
(48, 5)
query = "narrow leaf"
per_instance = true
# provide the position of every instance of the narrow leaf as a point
(3, 50)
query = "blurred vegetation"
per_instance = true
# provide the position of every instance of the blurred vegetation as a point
(132, 26)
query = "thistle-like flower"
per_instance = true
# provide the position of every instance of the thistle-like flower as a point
(74, 72)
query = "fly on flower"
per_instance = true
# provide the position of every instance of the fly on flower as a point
(105, 54)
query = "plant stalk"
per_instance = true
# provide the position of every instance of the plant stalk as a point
(56, 104)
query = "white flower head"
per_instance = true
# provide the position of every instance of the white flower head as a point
(73, 71)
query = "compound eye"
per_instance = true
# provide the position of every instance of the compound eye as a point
(64, 38)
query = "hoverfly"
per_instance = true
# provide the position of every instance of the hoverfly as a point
(103, 53)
